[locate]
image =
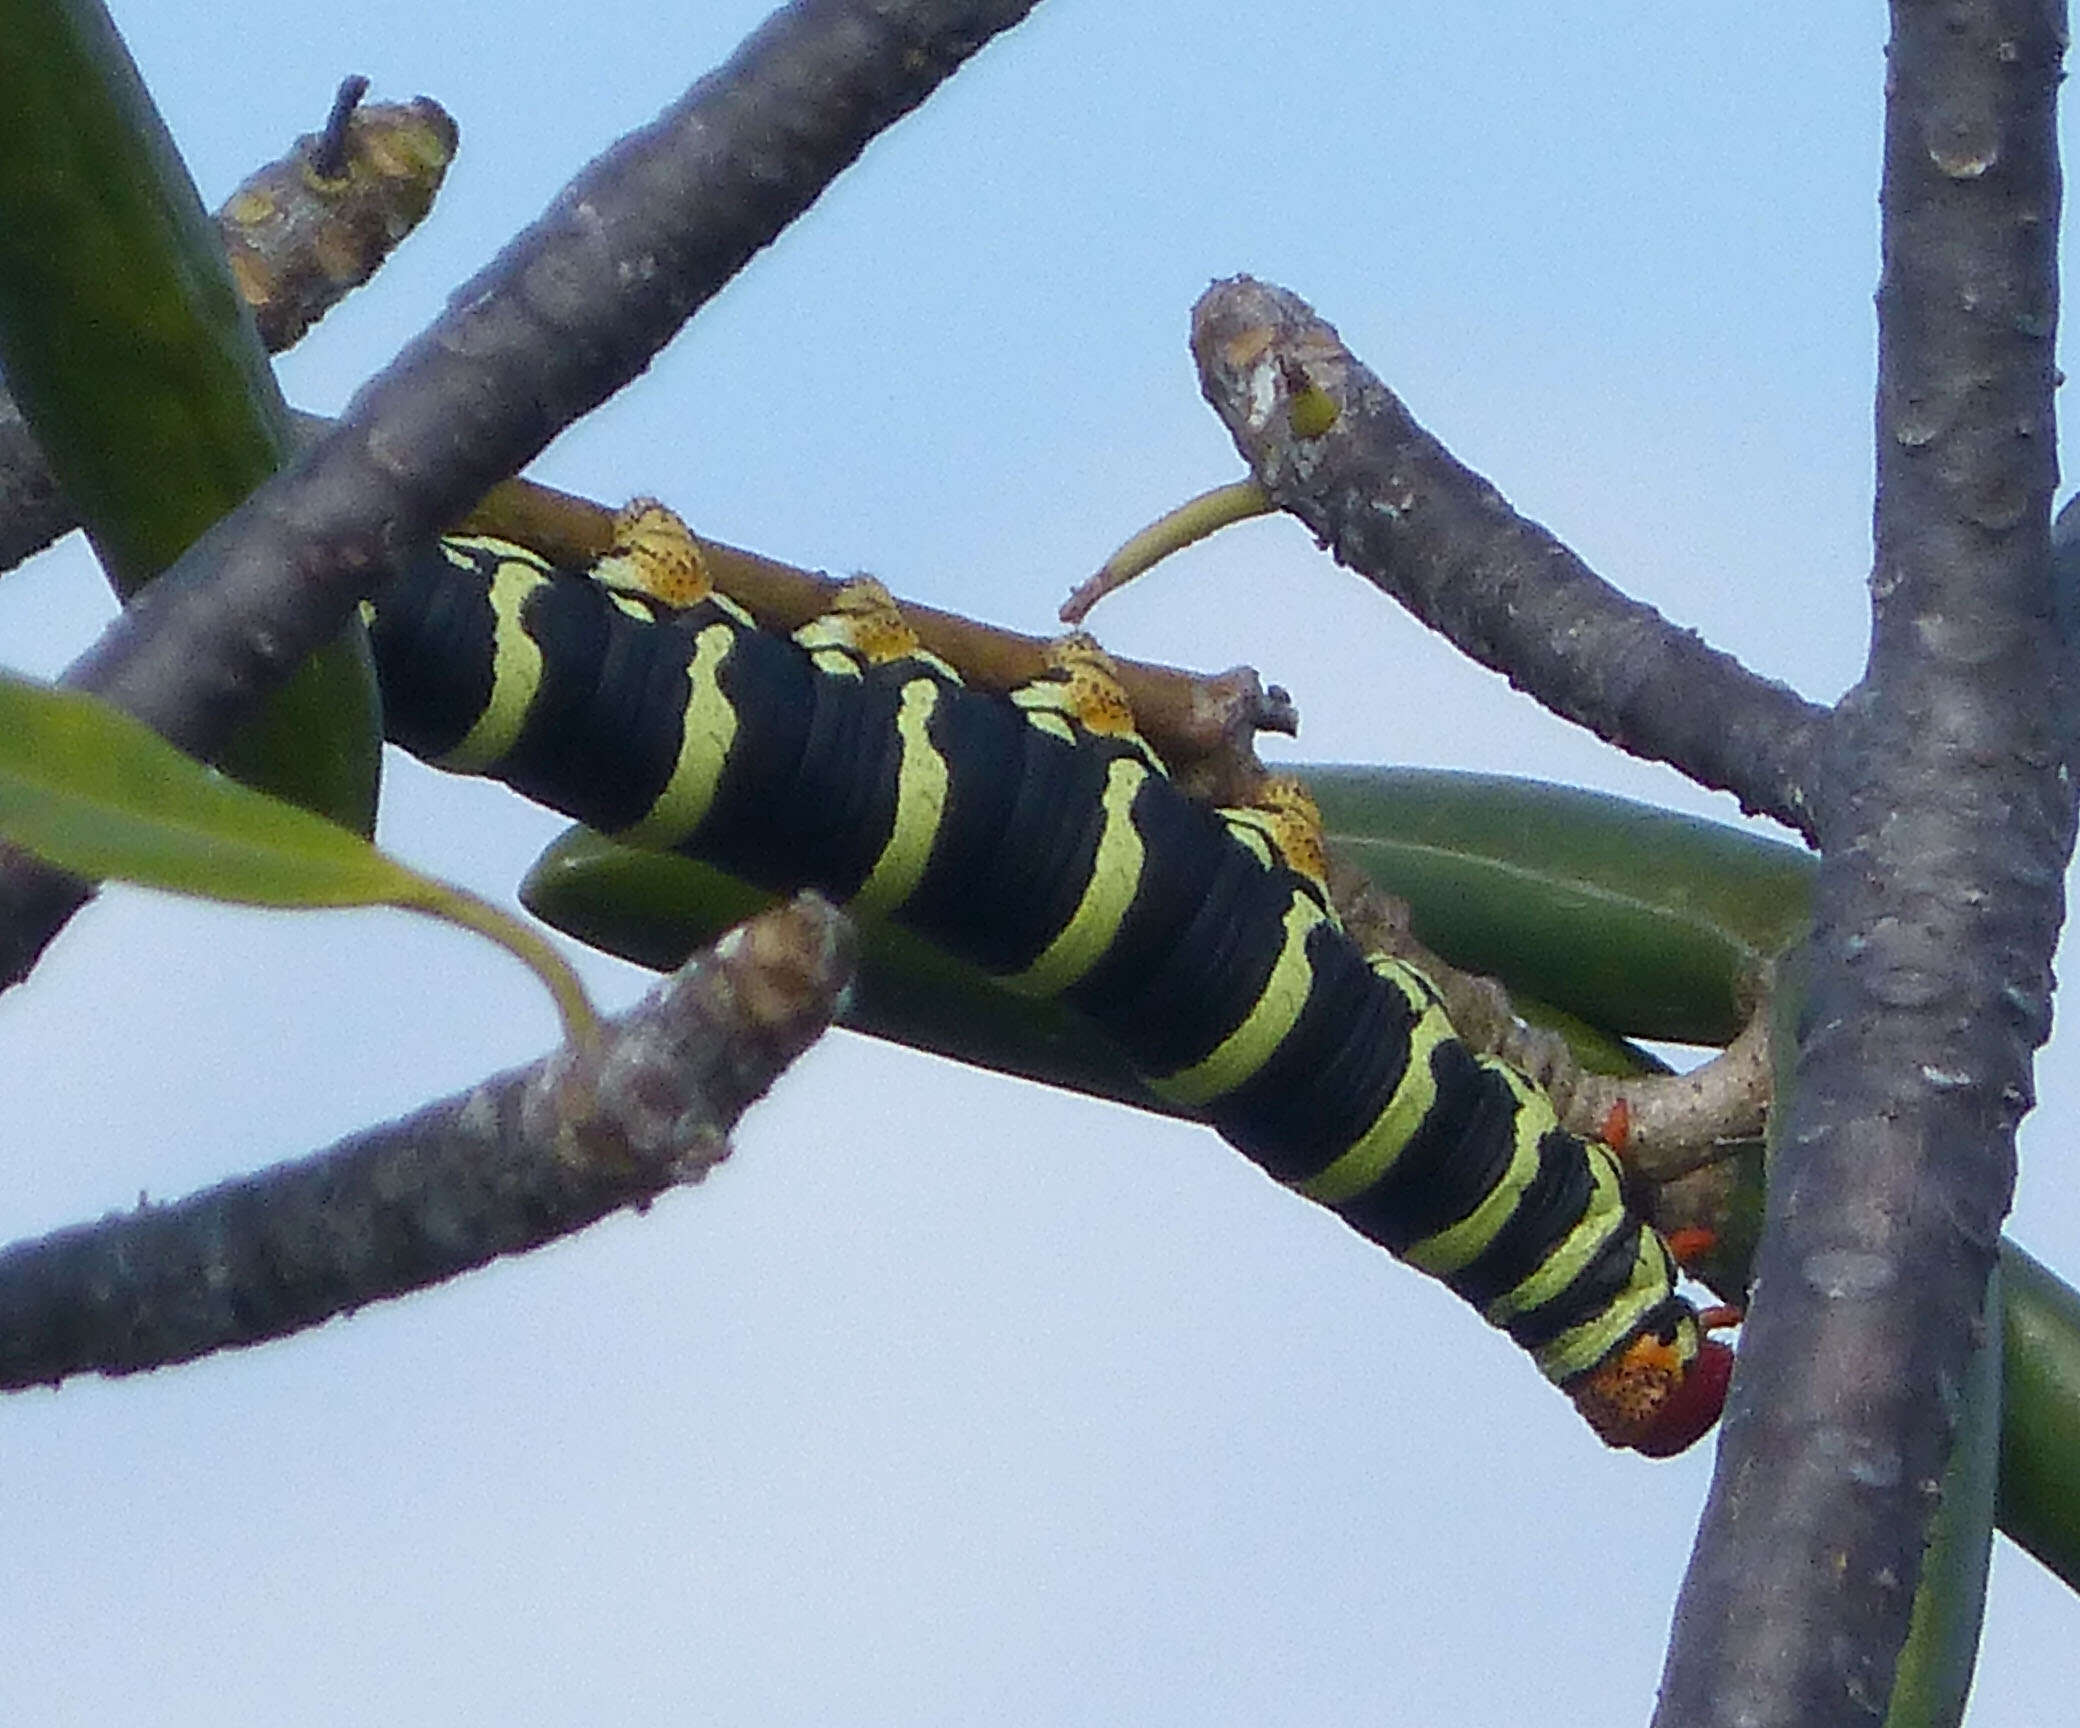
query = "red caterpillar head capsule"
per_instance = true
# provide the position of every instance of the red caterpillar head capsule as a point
(1646, 1397)
(1690, 1410)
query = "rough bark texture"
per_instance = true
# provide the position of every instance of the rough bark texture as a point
(568, 313)
(1946, 821)
(503, 1168)
(1333, 445)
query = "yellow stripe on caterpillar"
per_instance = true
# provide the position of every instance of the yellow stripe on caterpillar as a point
(1367, 1162)
(1115, 875)
(1576, 1352)
(516, 662)
(707, 729)
(1601, 1219)
(1263, 1029)
(1460, 1244)
(922, 778)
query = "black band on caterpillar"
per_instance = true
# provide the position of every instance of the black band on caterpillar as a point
(1039, 838)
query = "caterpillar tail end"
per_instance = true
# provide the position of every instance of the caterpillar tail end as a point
(1648, 1400)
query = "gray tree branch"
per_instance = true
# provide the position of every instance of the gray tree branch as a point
(513, 1163)
(1946, 822)
(1334, 446)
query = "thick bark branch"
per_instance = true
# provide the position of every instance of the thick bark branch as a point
(511, 1164)
(572, 310)
(1946, 821)
(1334, 446)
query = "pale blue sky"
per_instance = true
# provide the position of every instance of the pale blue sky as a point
(950, 1400)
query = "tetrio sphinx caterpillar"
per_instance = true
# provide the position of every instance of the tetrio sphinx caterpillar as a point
(1039, 837)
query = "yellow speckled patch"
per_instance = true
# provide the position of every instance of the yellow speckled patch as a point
(862, 619)
(1080, 692)
(1621, 1397)
(654, 553)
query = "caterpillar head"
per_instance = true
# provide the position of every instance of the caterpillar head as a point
(1688, 1413)
(1654, 1395)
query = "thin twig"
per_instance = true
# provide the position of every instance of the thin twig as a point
(1203, 724)
(1212, 510)
(328, 152)
(1334, 446)
(1675, 1122)
(515, 1162)
(1946, 824)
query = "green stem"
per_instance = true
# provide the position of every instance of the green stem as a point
(525, 944)
(1191, 521)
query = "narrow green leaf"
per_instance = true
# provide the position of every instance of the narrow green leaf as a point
(91, 790)
(656, 908)
(1934, 1677)
(1636, 919)
(138, 367)
(2040, 1428)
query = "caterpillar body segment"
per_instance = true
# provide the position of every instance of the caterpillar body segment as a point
(1039, 837)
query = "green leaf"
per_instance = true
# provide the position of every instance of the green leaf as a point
(1934, 1677)
(655, 908)
(2040, 1427)
(137, 365)
(1639, 920)
(91, 790)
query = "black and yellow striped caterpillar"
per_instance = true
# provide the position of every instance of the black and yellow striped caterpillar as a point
(1039, 837)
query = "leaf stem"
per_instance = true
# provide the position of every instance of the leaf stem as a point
(1191, 521)
(527, 945)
